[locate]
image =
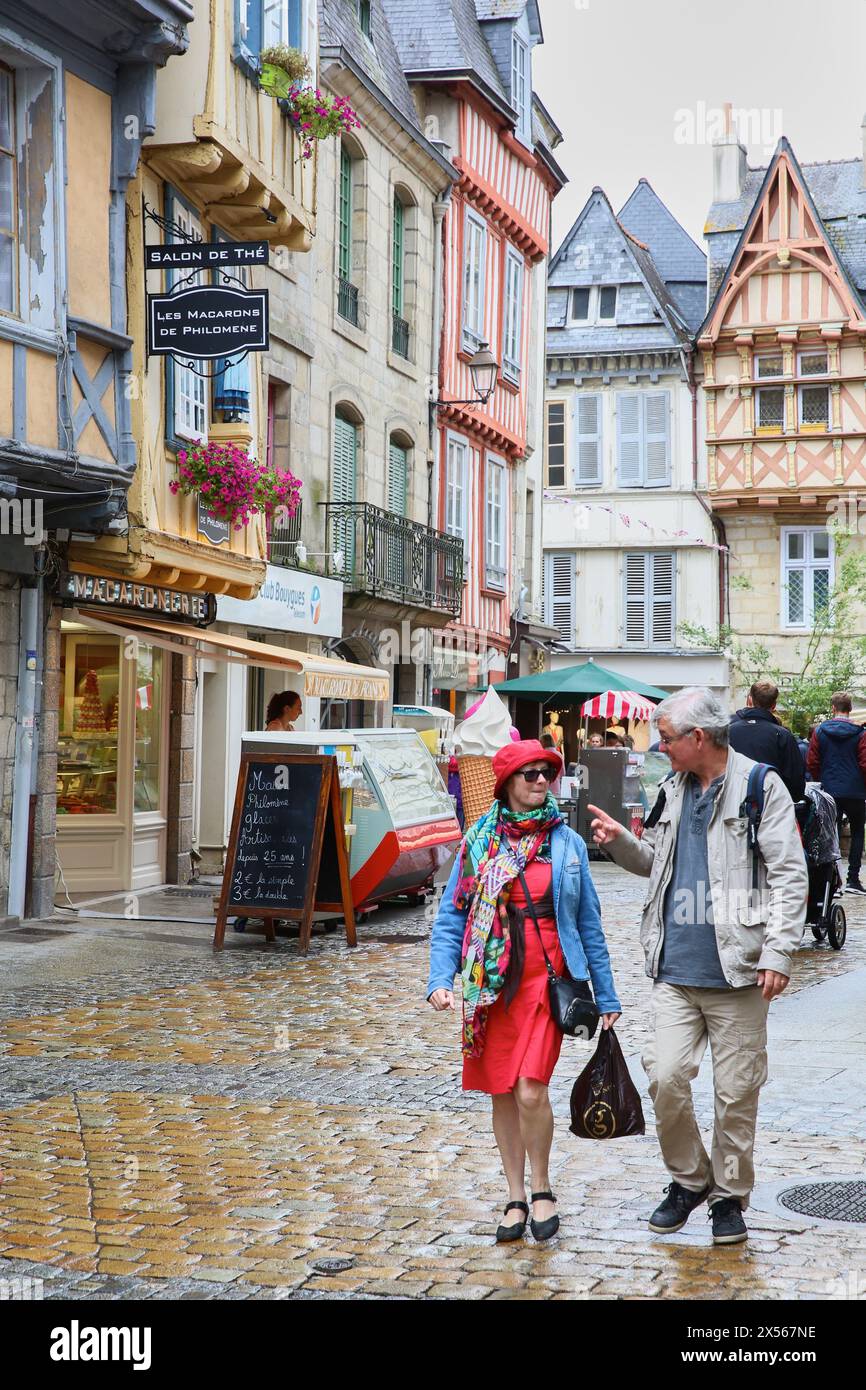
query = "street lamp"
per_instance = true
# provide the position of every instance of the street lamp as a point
(484, 369)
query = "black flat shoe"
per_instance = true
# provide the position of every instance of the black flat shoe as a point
(543, 1230)
(506, 1233)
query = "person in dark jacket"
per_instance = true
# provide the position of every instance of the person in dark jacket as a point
(837, 758)
(757, 733)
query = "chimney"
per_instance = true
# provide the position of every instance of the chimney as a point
(729, 163)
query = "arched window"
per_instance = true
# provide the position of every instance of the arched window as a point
(403, 254)
(351, 192)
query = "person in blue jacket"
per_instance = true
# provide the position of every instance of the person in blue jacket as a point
(520, 852)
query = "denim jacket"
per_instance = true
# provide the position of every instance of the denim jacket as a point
(578, 921)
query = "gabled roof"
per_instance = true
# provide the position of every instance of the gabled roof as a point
(510, 9)
(339, 27)
(836, 199)
(444, 37)
(670, 330)
(679, 261)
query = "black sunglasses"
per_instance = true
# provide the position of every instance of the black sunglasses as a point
(532, 774)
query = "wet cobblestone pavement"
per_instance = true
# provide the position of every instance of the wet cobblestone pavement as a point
(263, 1125)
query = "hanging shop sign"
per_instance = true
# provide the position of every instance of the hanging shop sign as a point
(214, 528)
(195, 322)
(207, 321)
(205, 255)
(102, 591)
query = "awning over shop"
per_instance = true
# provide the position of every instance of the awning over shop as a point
(575, 681)
(324, 676)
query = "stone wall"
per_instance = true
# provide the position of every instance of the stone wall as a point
(181, 769)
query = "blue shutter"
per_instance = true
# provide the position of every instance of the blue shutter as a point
(248, 30)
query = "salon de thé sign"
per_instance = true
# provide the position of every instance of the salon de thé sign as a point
(195, 320)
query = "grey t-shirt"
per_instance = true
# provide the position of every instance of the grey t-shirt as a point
(690, 955)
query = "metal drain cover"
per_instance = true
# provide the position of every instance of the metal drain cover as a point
(330, 1266)
(829, 1201)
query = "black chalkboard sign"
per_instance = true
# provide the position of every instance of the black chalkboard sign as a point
(287, 852)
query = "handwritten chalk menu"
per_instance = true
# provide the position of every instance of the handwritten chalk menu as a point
(287, 849)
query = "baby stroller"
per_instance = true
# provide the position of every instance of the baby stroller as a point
(816, 817)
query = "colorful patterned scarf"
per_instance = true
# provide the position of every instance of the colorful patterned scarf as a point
(490, 860)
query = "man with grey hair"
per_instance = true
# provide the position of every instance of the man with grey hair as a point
(718, 933)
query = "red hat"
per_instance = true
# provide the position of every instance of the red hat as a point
(514, 756)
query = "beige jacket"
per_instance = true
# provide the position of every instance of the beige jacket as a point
(754, 931)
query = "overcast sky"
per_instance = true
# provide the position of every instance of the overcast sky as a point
(636, 87)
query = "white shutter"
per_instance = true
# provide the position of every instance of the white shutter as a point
(635, 602)
(663, 570)
(657, 438)
(588, 439)
(629, 437)
(559, 593)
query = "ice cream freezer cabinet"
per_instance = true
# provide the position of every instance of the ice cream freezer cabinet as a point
(400, 822)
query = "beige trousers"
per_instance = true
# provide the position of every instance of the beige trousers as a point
(735, 1022)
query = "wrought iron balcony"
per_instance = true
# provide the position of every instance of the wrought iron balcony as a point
(391, 557)
(283, 537)
(347, 301)
(400, 336)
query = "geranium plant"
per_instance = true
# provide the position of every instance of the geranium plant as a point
(282, 69)
(317, 115)
(233, 486)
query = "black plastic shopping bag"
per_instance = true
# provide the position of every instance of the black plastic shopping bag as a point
(604, 1101)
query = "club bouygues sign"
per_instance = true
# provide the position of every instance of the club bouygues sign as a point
(206, 321)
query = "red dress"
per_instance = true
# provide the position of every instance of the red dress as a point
(522, 1039)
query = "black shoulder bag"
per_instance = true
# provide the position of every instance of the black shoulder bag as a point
(571, 1002)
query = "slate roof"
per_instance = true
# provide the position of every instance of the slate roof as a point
(499, 9)
(837, 191)
(443, 36)
(339, 27)
(677, 258)
(659, 325)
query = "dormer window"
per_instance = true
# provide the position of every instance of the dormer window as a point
(521, 87)
(593, 304)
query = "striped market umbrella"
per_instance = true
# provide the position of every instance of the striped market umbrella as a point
(618, 704)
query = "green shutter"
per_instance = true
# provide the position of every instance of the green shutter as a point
(398, 258)
(397, 480)
(345, 214)
(343, 470)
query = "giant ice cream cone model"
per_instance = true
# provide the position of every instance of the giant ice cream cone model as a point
(90, 718)
(478, 738)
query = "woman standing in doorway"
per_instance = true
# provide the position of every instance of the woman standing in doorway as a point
(510, 1041)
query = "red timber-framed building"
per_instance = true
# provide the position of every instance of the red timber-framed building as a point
(470, 69)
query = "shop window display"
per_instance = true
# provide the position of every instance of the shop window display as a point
(87, 747)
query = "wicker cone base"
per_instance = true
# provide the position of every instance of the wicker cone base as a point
(476, 785)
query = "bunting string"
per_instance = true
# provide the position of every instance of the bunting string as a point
(631, 521)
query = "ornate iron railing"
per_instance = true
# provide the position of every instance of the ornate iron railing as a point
(283, 536)
(347, 301)
(391, 557)
(400, 336)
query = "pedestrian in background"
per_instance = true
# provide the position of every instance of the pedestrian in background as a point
(837, 759)
(717, 952)
(757, 733)
(521, 850)
(283, 710)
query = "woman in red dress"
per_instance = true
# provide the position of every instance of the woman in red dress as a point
(510, 1042)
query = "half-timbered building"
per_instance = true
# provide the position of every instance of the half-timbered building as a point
(784, 382)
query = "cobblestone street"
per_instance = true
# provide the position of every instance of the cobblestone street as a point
(258, 1124)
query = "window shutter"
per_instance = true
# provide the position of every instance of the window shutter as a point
(657, 437)
(588, 440)
(663, 575)
(635, 598)
(629, 437)
(345, 228)
(343, 471)
(559, 593)
(397, 461)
